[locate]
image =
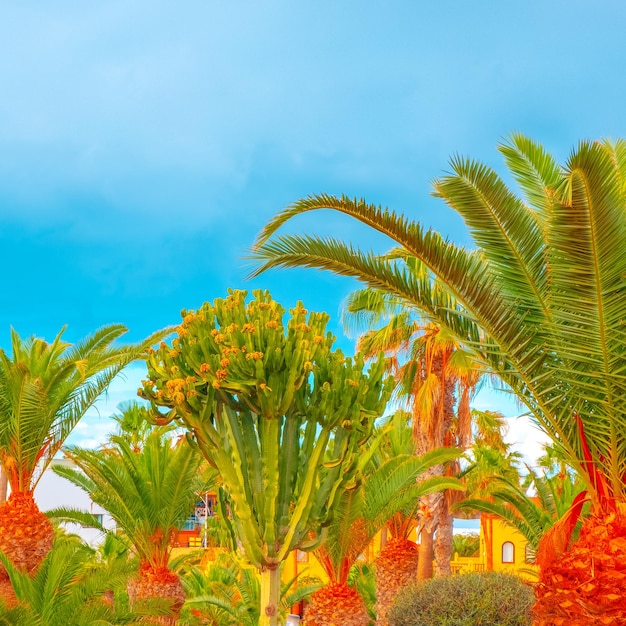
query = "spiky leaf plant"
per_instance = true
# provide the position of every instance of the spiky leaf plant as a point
(281, 415)
(148, 492)
(541, 302)
(45, 389)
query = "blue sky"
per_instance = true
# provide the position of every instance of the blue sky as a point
(144, 144)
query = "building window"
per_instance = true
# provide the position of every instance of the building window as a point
(98, 517)
(508, 552)
(302, 557)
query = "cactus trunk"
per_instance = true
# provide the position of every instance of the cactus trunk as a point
(270, 596)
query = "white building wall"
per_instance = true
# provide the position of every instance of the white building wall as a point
(53, 492)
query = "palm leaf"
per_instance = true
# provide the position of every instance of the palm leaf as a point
(544, 288)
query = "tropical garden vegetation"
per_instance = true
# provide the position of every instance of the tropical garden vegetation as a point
(45, 389)
(257, 405)
(540, 302)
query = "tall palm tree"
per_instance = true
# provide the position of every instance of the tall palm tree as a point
(541, 301)
(45, 388)
(148, 493)
(432, 371)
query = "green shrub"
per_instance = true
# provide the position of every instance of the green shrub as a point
(466, 545)
(490, 599)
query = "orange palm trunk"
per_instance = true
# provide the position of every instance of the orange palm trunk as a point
(336, 605)
(26, 534)
(396, 567)
(158, 582)
(426, 556)
(585, 586)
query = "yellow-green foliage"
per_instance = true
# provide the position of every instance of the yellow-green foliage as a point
(279, 412)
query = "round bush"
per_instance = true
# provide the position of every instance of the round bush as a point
(490, 599)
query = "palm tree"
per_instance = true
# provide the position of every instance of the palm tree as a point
(70, 588)
(388, 487)
(148, 493)
(133, 423)
(45, 388)
(531, 516)
(491, 459)
(541, 301)
(431, 370)
(398, 560)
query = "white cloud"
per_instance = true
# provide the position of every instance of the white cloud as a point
(97, 424)
(523, 435)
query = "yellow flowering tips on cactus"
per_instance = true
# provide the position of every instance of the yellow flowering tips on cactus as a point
(277, 411)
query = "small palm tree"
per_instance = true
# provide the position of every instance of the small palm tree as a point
(491, 459)
(531, 516)
(45, 389)
(148, 493)
(397, 562)
(70, 588)
(388, 487)
(133, 423)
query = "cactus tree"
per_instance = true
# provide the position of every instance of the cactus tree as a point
(277, 411)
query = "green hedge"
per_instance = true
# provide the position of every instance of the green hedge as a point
(490, 599)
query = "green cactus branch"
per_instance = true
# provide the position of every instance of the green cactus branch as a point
(276, 410)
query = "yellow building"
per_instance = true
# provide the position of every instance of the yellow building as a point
(510, 552)
(502, 549)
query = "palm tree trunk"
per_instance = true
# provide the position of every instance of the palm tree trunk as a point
(26, 534)
(4, 485)
(396, 567)
(426, 555)
(337, 603)
(434, 514)
(443, 540)
(584, 585)
(158, 582)
(486, 523)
